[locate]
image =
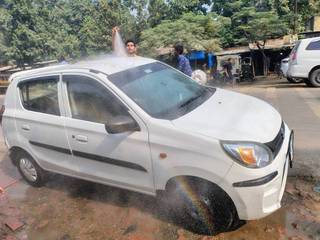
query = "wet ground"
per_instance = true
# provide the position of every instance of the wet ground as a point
(67, 208)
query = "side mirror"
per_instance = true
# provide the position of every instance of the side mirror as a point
(121, 124)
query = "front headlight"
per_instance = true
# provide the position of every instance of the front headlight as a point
(252, 155)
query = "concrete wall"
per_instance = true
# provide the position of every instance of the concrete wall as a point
(316, 23)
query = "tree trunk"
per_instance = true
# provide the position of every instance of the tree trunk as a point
(264, 57)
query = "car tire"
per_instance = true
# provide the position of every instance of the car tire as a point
(308, 83)
(29, 169)
(294, 80)
(315, 78)
(203, 207)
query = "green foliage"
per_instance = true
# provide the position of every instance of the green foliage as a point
(36, 30)
(194, 31)
(179, 7)
(248, 20)
(21, 38)
(4, 21)
(95, 33)
(158, 11)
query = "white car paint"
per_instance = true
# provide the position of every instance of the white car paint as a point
(304, 61)
(192, 142)
(232, 116)
(284, 66)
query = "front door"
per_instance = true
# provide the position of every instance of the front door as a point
(121, 159)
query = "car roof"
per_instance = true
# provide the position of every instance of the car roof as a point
(310, 39)
(107, 64)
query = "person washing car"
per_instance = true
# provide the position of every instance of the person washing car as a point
(131, 47)
(183, 62)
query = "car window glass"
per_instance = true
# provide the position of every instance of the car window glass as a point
(314, 45)
(296, 46)
(91, 101)
(159, 90)
(40, 95)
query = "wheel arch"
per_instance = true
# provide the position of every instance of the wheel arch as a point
(14, 150)
(193, 180)
(312, 70)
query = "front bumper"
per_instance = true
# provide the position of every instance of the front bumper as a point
(257, 201)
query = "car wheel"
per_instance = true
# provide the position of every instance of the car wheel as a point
(315, 78)
(294, 80)
(29, 169)
(203, 207)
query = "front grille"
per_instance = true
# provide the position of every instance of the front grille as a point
(276, 143)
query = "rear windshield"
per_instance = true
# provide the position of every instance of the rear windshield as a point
(296, 47)
(161, 91)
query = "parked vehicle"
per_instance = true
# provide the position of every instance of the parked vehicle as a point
(246, 73)
(305, 61)
(284, 69)
(284, 66)
(138, 124)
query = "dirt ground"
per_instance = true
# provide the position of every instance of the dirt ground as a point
(67, 208)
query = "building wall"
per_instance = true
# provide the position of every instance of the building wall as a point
(313, 24)
(316, 23)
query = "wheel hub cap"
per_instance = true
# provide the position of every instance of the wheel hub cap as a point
(28, 169)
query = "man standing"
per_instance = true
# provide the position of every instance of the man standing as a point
(227, 67)
(131, 46)
(183, 62)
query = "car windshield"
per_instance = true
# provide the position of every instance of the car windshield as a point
(161, 91)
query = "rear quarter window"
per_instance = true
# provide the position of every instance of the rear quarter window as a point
(315, 45)
(40, 95)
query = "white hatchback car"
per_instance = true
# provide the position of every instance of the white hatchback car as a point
(139, 124)
(305, 61)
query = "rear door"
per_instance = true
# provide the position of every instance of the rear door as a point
(40, 123)
(121, 159)
(312, 53)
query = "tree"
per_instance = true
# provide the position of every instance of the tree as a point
(107, 14)
(35, 32)
(158, 11)
(21, 38)
(4, 20)
(194, 31)
(140, 11)
(281, 7)
(258, 27)
(228, 8)
(178, 7)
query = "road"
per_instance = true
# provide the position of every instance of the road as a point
(66, 208)
(300, 108)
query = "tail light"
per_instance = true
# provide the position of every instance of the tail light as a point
(294, 56)
(1, 113)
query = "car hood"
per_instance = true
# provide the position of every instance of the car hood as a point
(232, 116)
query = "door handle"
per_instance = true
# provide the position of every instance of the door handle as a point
(25, 127)
(80, 138)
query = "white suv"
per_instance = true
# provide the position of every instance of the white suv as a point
(305, 61)
(139, 124)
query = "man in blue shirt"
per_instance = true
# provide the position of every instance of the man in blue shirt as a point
(183, 62)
